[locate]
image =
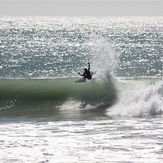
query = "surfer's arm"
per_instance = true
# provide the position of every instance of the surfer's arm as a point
(80, 74)
(88, 66)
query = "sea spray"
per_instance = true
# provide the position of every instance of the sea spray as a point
(105, 59)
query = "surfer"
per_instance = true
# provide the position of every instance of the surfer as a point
(87, 74)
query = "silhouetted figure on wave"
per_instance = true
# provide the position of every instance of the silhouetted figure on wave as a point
(87, 74)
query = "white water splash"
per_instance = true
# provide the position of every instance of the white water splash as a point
(105, 58)
(139, 98)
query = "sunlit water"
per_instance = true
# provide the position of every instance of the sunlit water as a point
(46, 117)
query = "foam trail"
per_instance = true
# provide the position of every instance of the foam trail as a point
(139, 98)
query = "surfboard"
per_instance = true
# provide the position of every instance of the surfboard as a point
(80, 80)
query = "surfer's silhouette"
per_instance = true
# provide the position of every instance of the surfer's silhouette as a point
(87, 74)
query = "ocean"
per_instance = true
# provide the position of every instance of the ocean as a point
(46, 116)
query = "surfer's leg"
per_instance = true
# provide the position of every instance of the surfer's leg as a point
(84, 78)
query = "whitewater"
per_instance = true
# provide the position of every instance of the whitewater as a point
(46, 116)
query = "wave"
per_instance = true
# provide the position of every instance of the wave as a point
(114, 98)
(138, 98)
(30, 94)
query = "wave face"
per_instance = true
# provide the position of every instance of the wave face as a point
(54, 93)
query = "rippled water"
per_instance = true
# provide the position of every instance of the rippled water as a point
(60, 46)
(52, 120)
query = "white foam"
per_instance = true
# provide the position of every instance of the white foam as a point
(138, 98)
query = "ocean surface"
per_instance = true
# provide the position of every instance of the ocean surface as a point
(46, 116)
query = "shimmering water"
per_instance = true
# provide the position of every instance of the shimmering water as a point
(45, 116)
